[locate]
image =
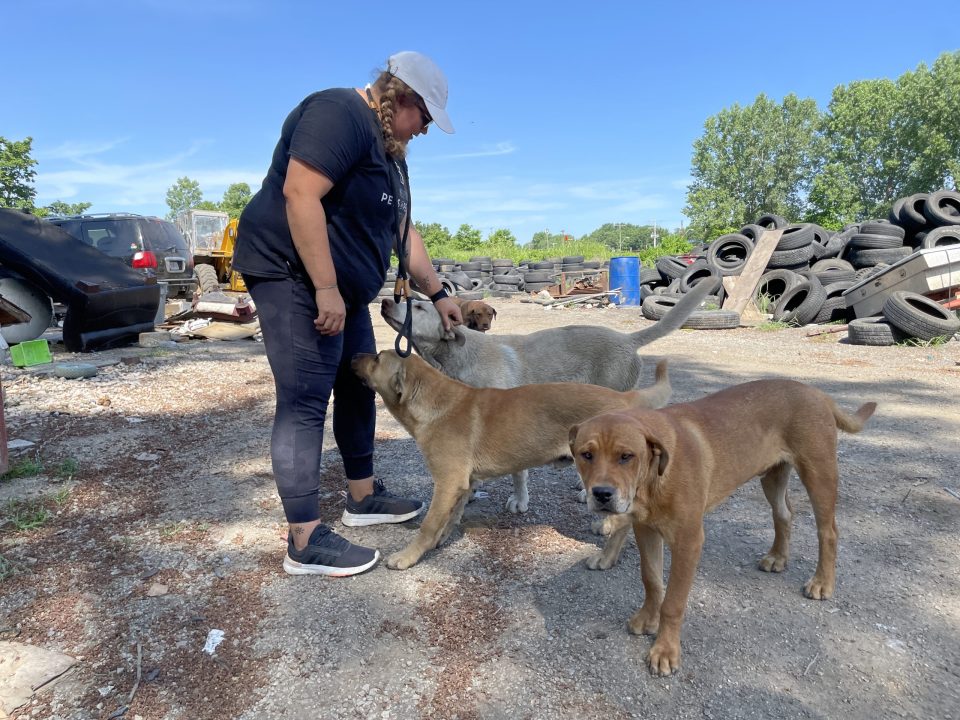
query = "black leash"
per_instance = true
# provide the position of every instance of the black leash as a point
(402, 288)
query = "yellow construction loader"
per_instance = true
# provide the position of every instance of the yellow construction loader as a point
(211, 236)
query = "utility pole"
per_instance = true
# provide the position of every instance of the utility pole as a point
(654, 235)
(620, 237)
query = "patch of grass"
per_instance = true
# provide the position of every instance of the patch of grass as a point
(917, 342)
(26, 515)
(772, 325)
(67, 469)
(764, 303)
(25, 467)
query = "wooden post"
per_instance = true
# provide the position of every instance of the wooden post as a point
(742, 288)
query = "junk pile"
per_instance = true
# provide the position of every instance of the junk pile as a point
(214, 315)
(482, 275)
(885, 281)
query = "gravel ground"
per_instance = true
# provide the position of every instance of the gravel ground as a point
(164, 524)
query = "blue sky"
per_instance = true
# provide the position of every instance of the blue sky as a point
(566, 118)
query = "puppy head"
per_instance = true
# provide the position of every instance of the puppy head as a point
(385, 373)
(478, 315)
(426, 326)
(620, 461)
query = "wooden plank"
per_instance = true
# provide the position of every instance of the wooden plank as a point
(746, 284)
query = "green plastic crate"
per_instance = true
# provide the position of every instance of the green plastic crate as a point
(31, 352)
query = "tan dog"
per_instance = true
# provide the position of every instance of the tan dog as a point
(662, 470)
(467, 434)
(477, 315)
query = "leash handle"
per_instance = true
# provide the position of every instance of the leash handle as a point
(401, 288)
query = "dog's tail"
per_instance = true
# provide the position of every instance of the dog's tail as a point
(657, 395)
(854, 423)
(675, 318)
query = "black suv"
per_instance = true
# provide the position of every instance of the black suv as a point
(148, 244)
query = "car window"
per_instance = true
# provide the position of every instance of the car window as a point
(162, 237)
(175, 238)
(117, 238)
(73, 228)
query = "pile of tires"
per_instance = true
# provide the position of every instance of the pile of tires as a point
(906, 316)
(811, 268)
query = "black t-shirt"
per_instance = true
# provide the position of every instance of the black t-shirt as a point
(335, 132)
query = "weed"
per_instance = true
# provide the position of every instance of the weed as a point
(764, 303)
(774, 325)
(61, 496)
(67, 469)
(917, 342)
(26, 515)
(26, 467)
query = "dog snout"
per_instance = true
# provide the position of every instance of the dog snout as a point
(358, 361)
(386, 305)
(603, 494)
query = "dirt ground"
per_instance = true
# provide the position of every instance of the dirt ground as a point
(164, 525)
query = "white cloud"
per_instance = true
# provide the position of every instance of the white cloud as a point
(83, 174)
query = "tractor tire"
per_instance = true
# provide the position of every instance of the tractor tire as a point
(31, 299)
(207, 279)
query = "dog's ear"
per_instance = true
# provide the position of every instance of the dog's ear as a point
(659, 458)
(398, 380)
(573, 438)
(494, 312)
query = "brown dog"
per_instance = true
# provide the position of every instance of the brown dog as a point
(467, 434)
(662, 470)
(477, 315)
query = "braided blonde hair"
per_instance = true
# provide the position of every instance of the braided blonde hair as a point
(391, 89)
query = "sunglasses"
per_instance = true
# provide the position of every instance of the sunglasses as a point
(424, 114)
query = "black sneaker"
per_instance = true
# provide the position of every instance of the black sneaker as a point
(379, 507)
(327, 553)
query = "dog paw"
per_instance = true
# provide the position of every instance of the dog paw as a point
(644, 622)
(517, 505)
(772, 563)
(400, 561)
(597, 562)
(816, 589)
(664, 658)
(582, 496)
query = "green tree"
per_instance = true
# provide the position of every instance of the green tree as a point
(887, 139)
(184, 195)
(624, 237)
(58, 207)
(436, 238)
(544, 239)
(500, 243)
(235, 199)
(466, 238)
(17, 174)
(753, 160)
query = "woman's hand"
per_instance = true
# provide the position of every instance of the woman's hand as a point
(331, 311)
(449, 313)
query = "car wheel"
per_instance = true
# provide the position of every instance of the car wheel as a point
(31, 299)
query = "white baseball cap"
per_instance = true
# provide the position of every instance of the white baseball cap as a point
(426, 80)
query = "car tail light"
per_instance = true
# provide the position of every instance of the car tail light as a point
(144, 259)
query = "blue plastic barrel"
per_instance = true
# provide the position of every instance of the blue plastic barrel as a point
(625, 274)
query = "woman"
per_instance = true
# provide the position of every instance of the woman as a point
(314, 246)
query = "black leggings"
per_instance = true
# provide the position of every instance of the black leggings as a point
(306, 367)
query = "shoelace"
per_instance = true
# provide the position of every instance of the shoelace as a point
(336, 542)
